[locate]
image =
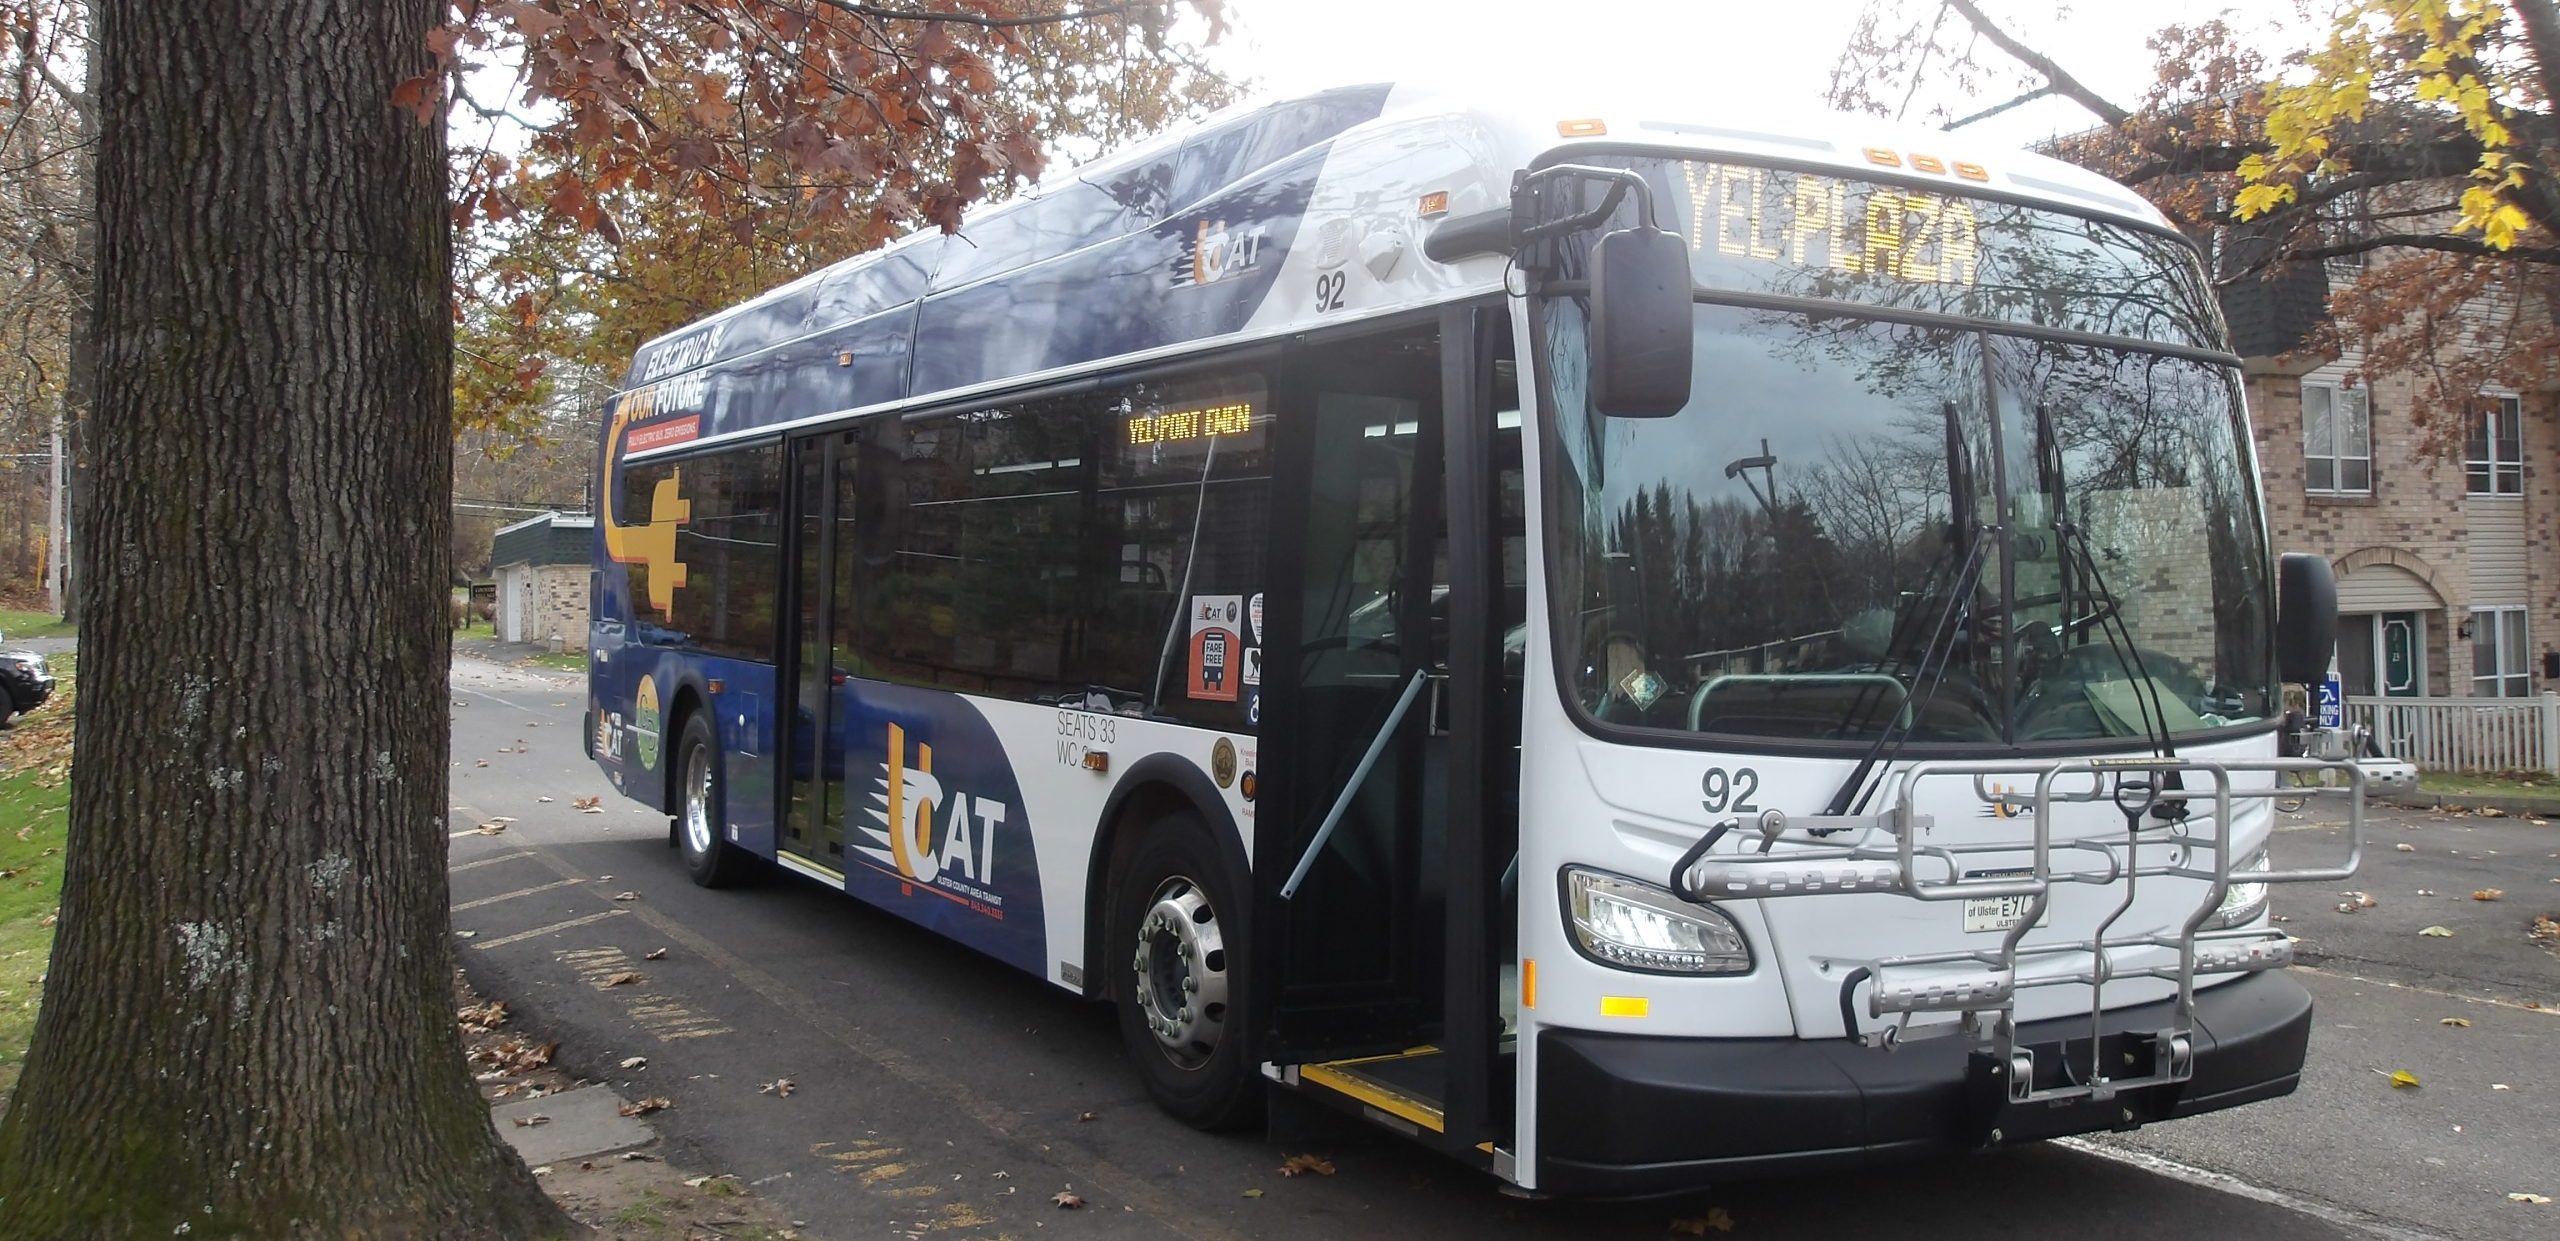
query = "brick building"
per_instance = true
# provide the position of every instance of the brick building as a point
(541, 564)
(2448, 570)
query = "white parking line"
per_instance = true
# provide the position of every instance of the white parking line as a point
(488, 861)
(2174, 1170)
(508, 896)
(556, 927)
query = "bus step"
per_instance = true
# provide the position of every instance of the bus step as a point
(1401, 1091)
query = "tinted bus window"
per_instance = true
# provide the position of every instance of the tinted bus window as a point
(729, 543)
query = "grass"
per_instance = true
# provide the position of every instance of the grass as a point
(35, 805)
(2500, 784)
(17, 624)
(477, 628)
(566, 661)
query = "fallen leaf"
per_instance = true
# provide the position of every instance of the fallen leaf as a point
(465, 934)
(1717, 1219)
(544, 1170)
(2462, 1022)
(624, 978)
(541, 799)
(626, 896)
(1301, 1165)
(654, 954)
(2400, 1078)
(491, 828)
(635, 1062)
(527, 1122)
(646, 1106)
(2488, 894)
(480, 762)
(2545, 927)
(1253, 1193)
(2492, 812)
(588, 803)
(2538, 1200)
(2500, 1086)
(780, 1088)
(2405, 847)
(1082, 1117)
(1067, 1200)
(2436, 932)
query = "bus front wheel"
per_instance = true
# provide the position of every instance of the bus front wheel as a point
(700, 837)
(1177, 947)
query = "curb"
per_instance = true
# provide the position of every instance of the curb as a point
(2511, 804)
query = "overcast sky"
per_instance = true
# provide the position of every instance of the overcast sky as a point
(1743, 55)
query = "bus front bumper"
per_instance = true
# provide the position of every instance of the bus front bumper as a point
(1632, 1116)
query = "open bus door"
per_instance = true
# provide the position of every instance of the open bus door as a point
(1391, 736)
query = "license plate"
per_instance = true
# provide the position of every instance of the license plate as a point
(2000, 913)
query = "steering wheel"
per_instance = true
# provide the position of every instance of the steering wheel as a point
(2071, 626)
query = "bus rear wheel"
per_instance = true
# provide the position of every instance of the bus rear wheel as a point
(1176, 949)
(700, 837)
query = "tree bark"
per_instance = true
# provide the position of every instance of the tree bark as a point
(248, 1028)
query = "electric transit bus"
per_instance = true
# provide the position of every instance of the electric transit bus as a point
(1633, 649)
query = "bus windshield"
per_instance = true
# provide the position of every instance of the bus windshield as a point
(1957, 534)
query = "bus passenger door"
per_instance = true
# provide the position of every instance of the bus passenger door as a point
(1352, 950)
(813, 797)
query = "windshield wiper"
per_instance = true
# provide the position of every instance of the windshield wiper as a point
(2107, 613)
(1935, 656)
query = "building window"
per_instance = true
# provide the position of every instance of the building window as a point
(2494, 455)
(2337, 439)
(2498, 654)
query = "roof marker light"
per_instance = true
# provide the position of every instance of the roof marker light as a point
(1589, 127)
(1928, 163)
(1884, 156)
(1972, 172)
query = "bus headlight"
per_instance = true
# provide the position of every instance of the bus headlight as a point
(2243, 901)
(1638, 926)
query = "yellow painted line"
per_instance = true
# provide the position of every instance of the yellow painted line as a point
(508, 896)
(1391, 1102)
(540, 931)
(1625, 1006)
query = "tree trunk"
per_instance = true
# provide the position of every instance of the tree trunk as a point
(248, 1029)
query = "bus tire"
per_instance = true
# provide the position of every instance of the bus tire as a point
(1176, 948)
(708, 856)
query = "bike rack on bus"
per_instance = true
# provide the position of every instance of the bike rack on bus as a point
(1814, 855)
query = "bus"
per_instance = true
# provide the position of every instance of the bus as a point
(1632, 648)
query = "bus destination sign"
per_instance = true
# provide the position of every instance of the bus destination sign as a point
(1180, 425)
(1858, 228)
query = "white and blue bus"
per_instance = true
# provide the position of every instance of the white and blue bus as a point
(1632, 648)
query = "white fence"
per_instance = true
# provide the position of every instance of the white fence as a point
(2465, 734)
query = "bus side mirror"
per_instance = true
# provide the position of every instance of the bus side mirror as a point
(2306, 618)
(1640, 323)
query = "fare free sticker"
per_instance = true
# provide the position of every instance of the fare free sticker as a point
(1217, 647)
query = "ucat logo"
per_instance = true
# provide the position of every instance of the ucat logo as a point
(1997, 808)
(959, 859)
(1219, 252)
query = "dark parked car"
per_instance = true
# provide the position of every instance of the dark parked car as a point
(24, 684)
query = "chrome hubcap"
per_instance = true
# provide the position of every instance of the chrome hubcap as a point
(697, 801)
(1180, 972)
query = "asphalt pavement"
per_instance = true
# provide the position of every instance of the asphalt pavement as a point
(935, 1090)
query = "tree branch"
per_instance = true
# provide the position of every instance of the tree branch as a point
(2063, 83)
(1996, 109)
(2443, 242)
(882, 13)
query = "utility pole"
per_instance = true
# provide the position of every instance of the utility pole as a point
(57, 532)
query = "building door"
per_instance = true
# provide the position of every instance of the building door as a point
(2383, 654)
